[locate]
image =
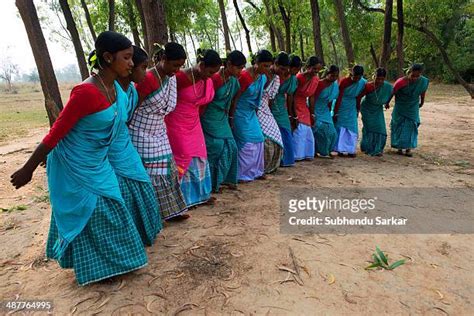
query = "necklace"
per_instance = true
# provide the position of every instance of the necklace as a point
(194, 82)
(158, 74)
(105, 88)
(227, 90)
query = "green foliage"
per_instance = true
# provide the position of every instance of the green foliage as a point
(380, 260)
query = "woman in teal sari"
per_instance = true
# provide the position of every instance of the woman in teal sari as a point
(409, 92)
(135, 184)
(245, 126)
(325, 135)
(220, 143)
(374, 132)
(346, 112)
(91, 231)
(281, 108)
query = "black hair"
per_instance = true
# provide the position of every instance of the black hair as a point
(107, 41)
(380, 72)
(262, 56)
(415, 67)
(236, 58)
(295, 61)
(209, 57)
(313, 61)
(357, 70)
(282, 59)
(139, 56)
(331, 70)
(172, 51)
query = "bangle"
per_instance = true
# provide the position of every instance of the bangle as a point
(313, 115)
(231, 117)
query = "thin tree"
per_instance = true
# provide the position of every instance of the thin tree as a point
(280, 42)
(286, 16)
(49, 84)
(132, 21)
(138, 4)
(244, 25)
(88, 19)
(111, 15)
(155, 21)
(400, 30)
(346, 38)
(318, 44)
(225, 26)
(387, 34)
(76, 40)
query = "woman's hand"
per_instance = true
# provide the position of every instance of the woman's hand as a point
(21, 177)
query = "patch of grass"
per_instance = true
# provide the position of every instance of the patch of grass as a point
(14, 208)
(42, 198)
(381, 261)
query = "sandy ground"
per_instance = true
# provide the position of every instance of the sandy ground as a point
(231, 258)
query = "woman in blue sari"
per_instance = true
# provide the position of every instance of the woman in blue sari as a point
(91, 231)
(325, 135)
(135, 184)
(374, 132)
(409, 92)
(220, 143)
(246, 128)
(282, 107)
(346, 112)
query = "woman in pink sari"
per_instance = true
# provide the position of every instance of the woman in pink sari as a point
(195, 90)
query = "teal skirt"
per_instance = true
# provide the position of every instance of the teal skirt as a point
(109, 244)
(222, 166)
(404, 133)
(325, 138)
(372, 143)
(141, 201)
(196, 182)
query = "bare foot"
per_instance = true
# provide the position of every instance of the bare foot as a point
(179, 218)
(264, 177)
(408, 153)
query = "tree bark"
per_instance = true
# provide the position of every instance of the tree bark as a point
(346, 38)
(430, 35)
(302, 46)
(280, 42)
(374, 55)
(387, 34)
(111, 15)
(88, 19)
(49, 84)
(318, 43)
(244, 25)
(287, 22)
(132, 21)
(334, 50)
(76, 40)
(155, 21)
(272, 39)
(138, 4)
(225, 26)
(400, 31)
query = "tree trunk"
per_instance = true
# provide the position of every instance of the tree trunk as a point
(318, 43)
(76, 41)
(430, 35)
(155, 21)
(139, 6)
(287, 22)
(346, 38)
(374, 55)
(334, 50)
(387, 34)
(111, 15)
(302, 46)
(278, 35)
(225, 26)
(132, 22)
(272, 39)
(400, 53)
(244, 25)
(49, 84)
(88, 19)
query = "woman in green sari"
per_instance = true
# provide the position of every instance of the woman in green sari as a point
(374, 132)
(220, 143)
(409, 92)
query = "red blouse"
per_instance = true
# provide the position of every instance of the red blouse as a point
(85, 99)
(149, 84)
(245, 80)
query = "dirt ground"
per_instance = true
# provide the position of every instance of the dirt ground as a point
(231, 258)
